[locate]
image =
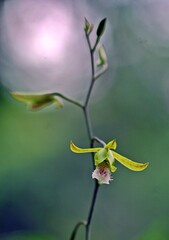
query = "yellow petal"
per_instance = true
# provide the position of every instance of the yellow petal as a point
(130, 164)
(76, 149)
(36, 101)
(111, 145)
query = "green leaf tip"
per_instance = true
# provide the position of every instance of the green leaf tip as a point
(36, 102)
(101, 27)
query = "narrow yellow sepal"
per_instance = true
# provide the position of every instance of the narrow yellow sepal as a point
(25, 97)
(76, 149)
(37, 101)
(111, 145)
(129, 163)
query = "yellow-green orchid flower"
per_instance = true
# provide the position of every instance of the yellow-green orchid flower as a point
(37, 101)
(104, 161)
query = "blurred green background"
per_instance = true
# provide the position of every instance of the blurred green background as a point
(45, 189)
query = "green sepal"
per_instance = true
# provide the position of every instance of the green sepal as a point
(100, 156)
(110, 157)
(102, 56)
(101, 28)
(110, 161)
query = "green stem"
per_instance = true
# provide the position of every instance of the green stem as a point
(93, 71)
(73, 235)
(96, 43)
(88, 123)
(88, 225)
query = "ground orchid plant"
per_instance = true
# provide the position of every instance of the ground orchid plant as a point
(103, 157)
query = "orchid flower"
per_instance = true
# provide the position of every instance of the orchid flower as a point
(104, 160)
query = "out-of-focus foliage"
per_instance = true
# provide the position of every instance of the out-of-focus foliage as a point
(158, 231)
(27, 237)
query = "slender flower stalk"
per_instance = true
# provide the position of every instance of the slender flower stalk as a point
(90, 131)
(88, 28)
(75, 102)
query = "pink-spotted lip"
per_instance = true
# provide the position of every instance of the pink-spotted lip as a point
(102, 174)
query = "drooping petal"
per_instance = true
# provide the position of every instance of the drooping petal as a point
(135, 166)
(111, 145)
(113, 168)
(37, 101)
(110, 161)
(102, 174)
(76, 149)
(100, 156)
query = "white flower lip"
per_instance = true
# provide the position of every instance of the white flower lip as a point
(102, 174)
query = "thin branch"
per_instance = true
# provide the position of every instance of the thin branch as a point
(68, 99)
(73, 235)
(96, 43)
(99, 141)
(101, 72)
(88, 225)
(88, 123)
(93, 72)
